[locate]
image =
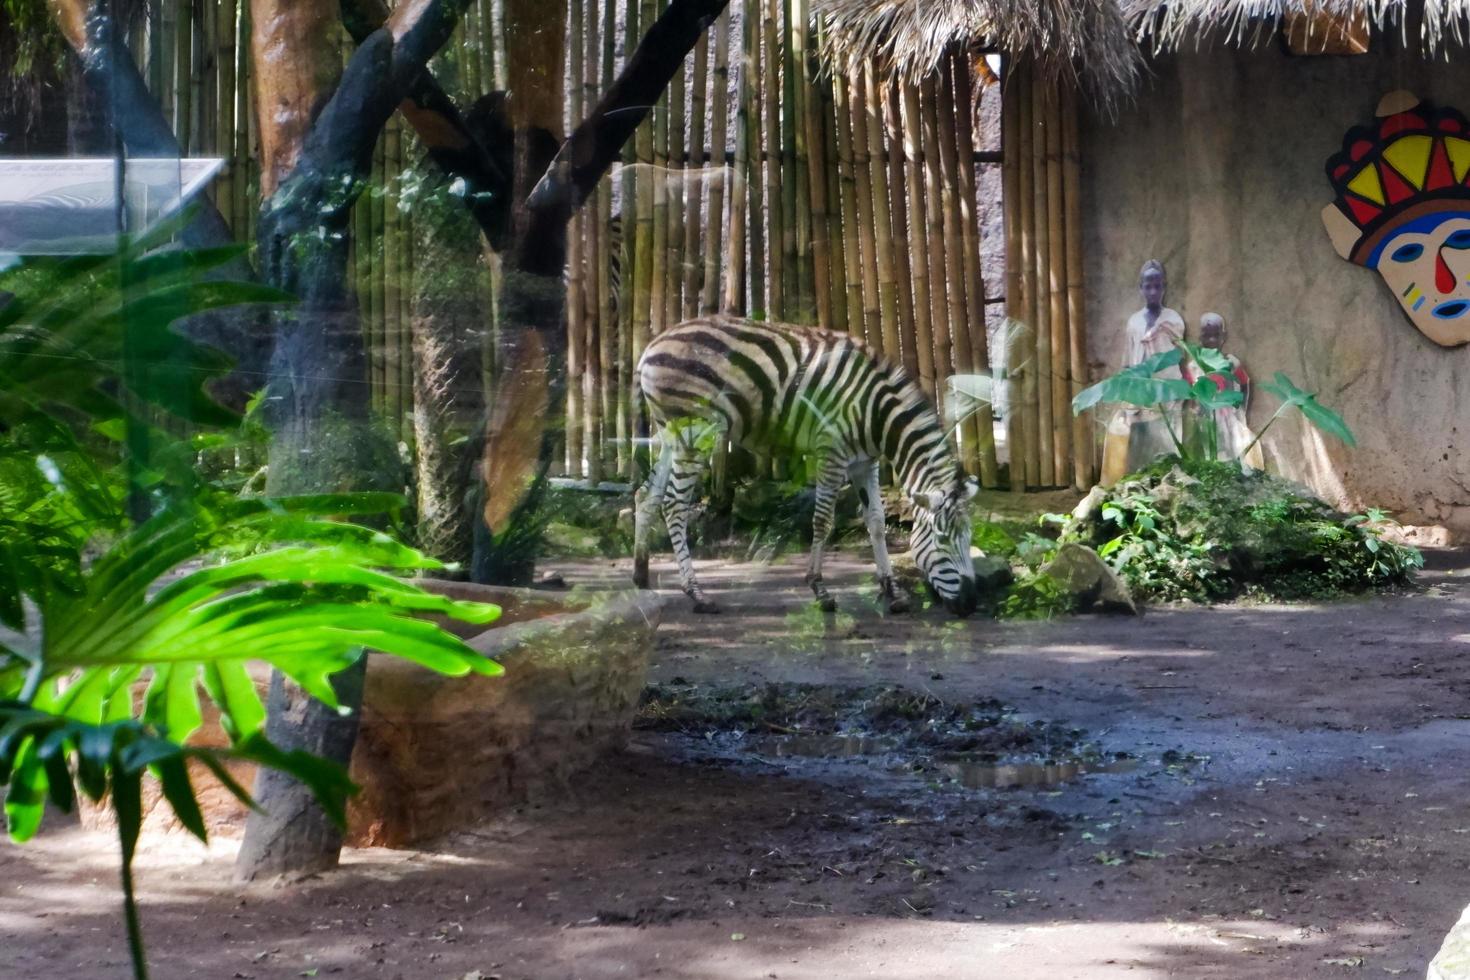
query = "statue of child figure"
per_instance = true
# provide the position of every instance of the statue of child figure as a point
(1136, 436)
(1233, 435)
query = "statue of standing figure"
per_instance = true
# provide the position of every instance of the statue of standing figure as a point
(1136, 436)
(1232, 433)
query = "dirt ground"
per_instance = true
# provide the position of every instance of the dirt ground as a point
(1299, 809)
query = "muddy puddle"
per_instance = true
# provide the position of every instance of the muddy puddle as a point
(817, 729)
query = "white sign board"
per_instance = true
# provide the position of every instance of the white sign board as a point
(70, 205)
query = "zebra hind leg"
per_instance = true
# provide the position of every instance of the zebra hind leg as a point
(685, 475)
(645, 505)
(829, 481)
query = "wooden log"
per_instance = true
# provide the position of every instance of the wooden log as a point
(907, 96)
(956, 288)
(693, 257)
(974, 277)
(1042, 115)
(1061, 357)
(1084, 471)
(873, 326)
(898, 213)
(882, 218)
(1010, 133)
(852, 260)
(714, 243)
(944, 360)
(771, 156)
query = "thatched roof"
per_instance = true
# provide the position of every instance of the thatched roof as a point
(1174, 24)
(1088, 42)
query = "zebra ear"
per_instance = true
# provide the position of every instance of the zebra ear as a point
(927, 500)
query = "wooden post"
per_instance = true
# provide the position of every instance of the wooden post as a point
(714, 244)
(838, 253)
(594, 257)
(853, 269)
(750, 94)
(734, 279)
(576, 265)
(923, 336)
(659, 175)
(792, 180)
(956, 288)
(643, 201)
(1084, 472)
(974, 278)
(224, 137)
(1027, 339)
(811, 154)
(888, 316)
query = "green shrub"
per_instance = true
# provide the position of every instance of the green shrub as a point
(1206, 531)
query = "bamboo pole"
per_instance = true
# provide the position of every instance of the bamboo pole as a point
(156, 77)
(719, 128)
(888, 315)
(614, 390)
(1027, 339)
(207, 58)
(678, 182)
(488, 78)
(378, 288)
(224, 134)
(183, 74)
(1084, 473)
(944, 361)
(771, 104)
(923, 335)
(734, 298)
(811, 150)
(659, 176)
(594, 256)
(974, 277)
(847, 187)
(694, 193)
(1041, 122)
(874, 327)
(956, 288)
(898, 212)
(1061, 345)
(750, 93)
(168, 87)
(1010, 129)
(791, 181)
(796, 110)
(471, 32)
(643, 201)
(393, 273)
(826, 113)
(577, 327)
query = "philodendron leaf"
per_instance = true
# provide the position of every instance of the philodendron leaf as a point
(1319, 415)
(1212, 396)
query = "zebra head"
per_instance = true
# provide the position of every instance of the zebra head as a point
(940, 544)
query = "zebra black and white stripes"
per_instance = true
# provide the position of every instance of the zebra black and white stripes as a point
(778, 387)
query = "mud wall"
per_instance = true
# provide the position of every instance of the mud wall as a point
(1217, 170)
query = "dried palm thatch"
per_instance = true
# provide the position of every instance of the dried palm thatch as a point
(1084, 42)
(1173, 23)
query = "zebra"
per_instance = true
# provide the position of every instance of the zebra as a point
(768, 386)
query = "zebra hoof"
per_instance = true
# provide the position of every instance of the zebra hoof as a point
(640, 573)
(826, 603)
(898, 605)
(706, 607)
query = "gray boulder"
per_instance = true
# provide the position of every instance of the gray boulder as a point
(1079, 570)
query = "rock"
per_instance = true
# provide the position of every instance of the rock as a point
(992, 574)
(1079, 570)
(1452, 962)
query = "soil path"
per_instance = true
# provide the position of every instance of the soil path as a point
(1299, 810)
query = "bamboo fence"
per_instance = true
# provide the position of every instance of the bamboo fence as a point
(761, 184)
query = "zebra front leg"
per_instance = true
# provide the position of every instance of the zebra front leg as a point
(829, 481)
(684, 480)
(864, 476)
(646, 504)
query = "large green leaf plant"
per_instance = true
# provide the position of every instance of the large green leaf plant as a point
(98, 602)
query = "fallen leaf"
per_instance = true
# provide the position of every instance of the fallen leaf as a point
(737, 936)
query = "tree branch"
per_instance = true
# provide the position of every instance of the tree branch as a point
(453, 143)
(597, 140)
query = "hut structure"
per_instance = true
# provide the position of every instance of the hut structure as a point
(1212, 156)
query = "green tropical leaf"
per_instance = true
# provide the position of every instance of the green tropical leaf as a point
(1137, 385)
(1325, 419)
